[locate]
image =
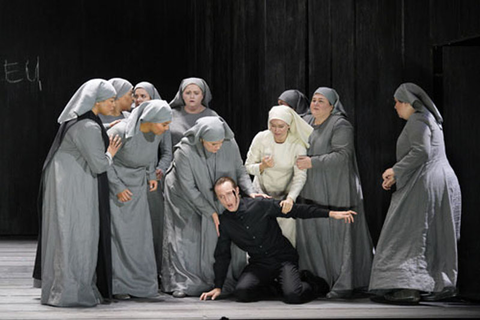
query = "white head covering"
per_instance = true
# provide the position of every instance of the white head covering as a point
(417, 97)
(333, 98)
(156, 111)
(150, 88)
(122, 86)
(84, 99)
(297, 100)
(209, 129)
(298, 127)
(207, 95)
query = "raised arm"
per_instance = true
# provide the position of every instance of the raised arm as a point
(88, 139)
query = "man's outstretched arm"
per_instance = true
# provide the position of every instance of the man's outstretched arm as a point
(308, 211)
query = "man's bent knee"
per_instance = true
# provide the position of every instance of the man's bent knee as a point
(292, 298)
(245, 295)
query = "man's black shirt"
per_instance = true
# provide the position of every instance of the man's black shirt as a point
(254, 229)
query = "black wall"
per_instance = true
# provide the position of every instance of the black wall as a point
(249, 51)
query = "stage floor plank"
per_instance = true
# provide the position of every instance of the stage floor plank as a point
(19, 300)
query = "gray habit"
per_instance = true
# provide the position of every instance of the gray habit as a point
(190, 236)
(182, 121)
(70, 218)
(417, 248)
(340, 253)
(156, 199)
(133, 258)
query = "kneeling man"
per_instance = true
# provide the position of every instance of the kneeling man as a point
(251, 224)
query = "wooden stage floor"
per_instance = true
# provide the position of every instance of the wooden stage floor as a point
(19, 300)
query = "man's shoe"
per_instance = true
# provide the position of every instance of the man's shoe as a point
(407, 296)
(121, 296)
(319, 285)
(446, 293)
(179, 294)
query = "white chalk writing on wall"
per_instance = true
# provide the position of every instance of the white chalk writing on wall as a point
(16, 72)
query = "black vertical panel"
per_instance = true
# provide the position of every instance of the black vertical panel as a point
(221, 73)
(275, 51)
(204, 24)
(454, 20)
(22, 93)
(71, 42)
(461, 77)
(343, 54)
(243, 79)
(246, 109)
(319, 45)
(295, 46)
(418, 64)
(378, 72)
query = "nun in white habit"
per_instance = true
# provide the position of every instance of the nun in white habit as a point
(134, 267)
(207, 152)
(73, 200)
(271, 160)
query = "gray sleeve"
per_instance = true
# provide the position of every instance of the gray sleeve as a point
(342, 146)
(419, 135)
(165, 151)
(88, 140)
(184, 172)
(150, 171)
(116, 184)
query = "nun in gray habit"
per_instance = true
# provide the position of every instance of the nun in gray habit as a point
(74, 186)
(341, 253)
(155, 198)
(417, 248)
(295, 100)
(133, 257)
(123, 101)
(183, 118)
(190, 235)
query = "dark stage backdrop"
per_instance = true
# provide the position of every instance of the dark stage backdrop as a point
(249, 51)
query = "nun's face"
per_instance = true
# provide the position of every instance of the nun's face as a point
(125, 102)
(279, 128)
(159, 128)
(192, 96)
(104, 107)
(320, 106)
(404, 109)
(140, 95)
(212, 146)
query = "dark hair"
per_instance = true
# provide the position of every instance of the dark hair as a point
(222, 180)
